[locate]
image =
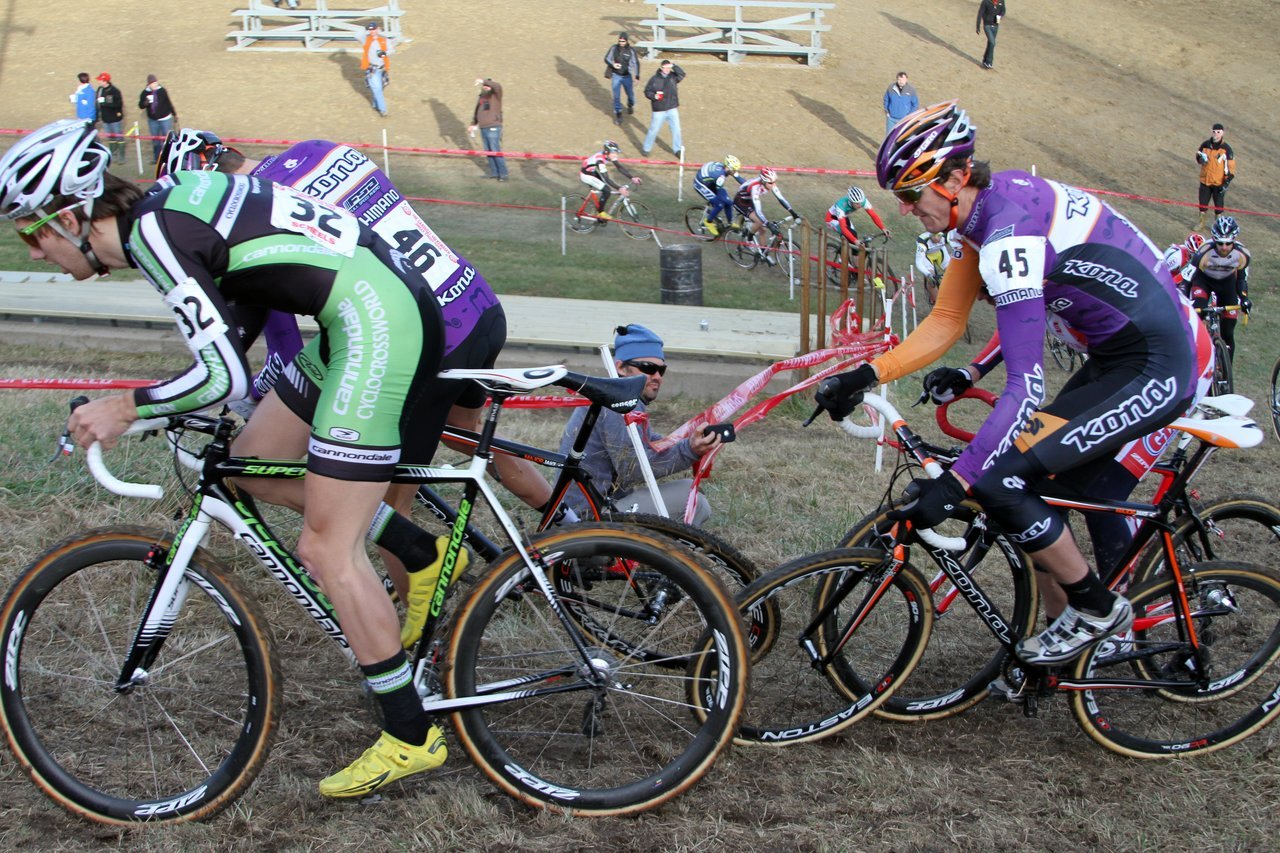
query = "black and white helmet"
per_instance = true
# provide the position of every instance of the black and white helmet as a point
(189, 150)
(856, 195)
(62, 158)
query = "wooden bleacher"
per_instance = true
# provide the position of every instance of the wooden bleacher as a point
(719, 26)
(264, 26)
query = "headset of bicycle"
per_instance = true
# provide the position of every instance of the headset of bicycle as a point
(1220, 271)
(840, 215)
(595, 174)
(708, 182)
(748, 200)
(1144, 335)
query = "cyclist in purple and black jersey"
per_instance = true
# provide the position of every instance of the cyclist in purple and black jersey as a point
(1032, 246)
(1221, 269)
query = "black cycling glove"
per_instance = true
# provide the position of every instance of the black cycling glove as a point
(946, 383)
(930, 502)
(839, 395)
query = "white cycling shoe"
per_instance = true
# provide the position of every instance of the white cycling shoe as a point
(1073, 632)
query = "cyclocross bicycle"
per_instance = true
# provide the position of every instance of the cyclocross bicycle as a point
(142, 684)
(746, 251)
(1195, 673)
(962, 659)
(695, 218)
(634, 218)
(1223, 377)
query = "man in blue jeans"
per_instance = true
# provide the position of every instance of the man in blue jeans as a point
(665, 98)
(622, 67)
(488, 119)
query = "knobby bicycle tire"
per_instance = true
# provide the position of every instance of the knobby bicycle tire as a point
(1245, 528)
(629, 739)
(1275, 397)
(636, 220)
(1223, 380)
(189, 737)
(742, 251)
(793, 699)
(693, 219)
(1236, 612)
(585, 223)
(964, 654)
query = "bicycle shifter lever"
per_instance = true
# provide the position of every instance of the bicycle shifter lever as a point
(65, 445)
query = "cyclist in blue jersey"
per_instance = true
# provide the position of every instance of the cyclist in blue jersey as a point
(709, 183)
(205, 241)
(1032, 246)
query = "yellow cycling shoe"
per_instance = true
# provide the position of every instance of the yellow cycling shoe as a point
(604, 216)
(710, 228)
(422, 588)
(386, 761)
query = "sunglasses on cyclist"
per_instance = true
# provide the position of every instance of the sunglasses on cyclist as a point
(648, 368)
(1224, 244)
(28, 232)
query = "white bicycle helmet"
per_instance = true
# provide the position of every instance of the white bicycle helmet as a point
(62, 158)
(768, 176)
(856, 195)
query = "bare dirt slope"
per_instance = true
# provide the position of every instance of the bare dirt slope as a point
(1112, 95)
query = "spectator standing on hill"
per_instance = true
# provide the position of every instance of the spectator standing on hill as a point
(111, 113)
(161, 116)
(376, 66)
(609, 456)
(664, 97)
(1217, 171)
(990, 13)
(488, 118)
(622, 67)
(83, 100)
(900, 101)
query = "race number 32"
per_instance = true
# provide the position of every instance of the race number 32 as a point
(312, 218)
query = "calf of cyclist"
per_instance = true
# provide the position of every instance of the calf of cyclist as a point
(1221, 270)
(1030, 245)
(709, 183)
(595, 174)
(933, 254)
(205, 239)
(475, 326)
(748, 201)
(840, 215)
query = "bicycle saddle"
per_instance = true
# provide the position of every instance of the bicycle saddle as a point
(619, 395)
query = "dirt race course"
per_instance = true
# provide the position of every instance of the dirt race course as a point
(1105, 94)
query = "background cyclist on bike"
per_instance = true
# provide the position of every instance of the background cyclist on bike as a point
(748, 202)
(595, 174)
(933, 253)
(840, 215)
(204, 239)
(1178, 257)
(709, 182)
(475, 326)
(1101, 276)
(1221, 270)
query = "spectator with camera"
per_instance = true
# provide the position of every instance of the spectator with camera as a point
(376, 66)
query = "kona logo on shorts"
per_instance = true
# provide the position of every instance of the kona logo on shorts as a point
(1033, 532)
(343, 434)
(1142, 405)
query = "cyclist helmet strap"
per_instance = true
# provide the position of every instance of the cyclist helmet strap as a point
(954, 198)
(82, 241)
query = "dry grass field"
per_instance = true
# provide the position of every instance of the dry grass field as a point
(1108, 95)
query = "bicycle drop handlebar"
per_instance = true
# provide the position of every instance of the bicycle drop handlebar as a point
(888, 411)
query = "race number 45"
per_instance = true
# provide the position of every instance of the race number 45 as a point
(1013, 268)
